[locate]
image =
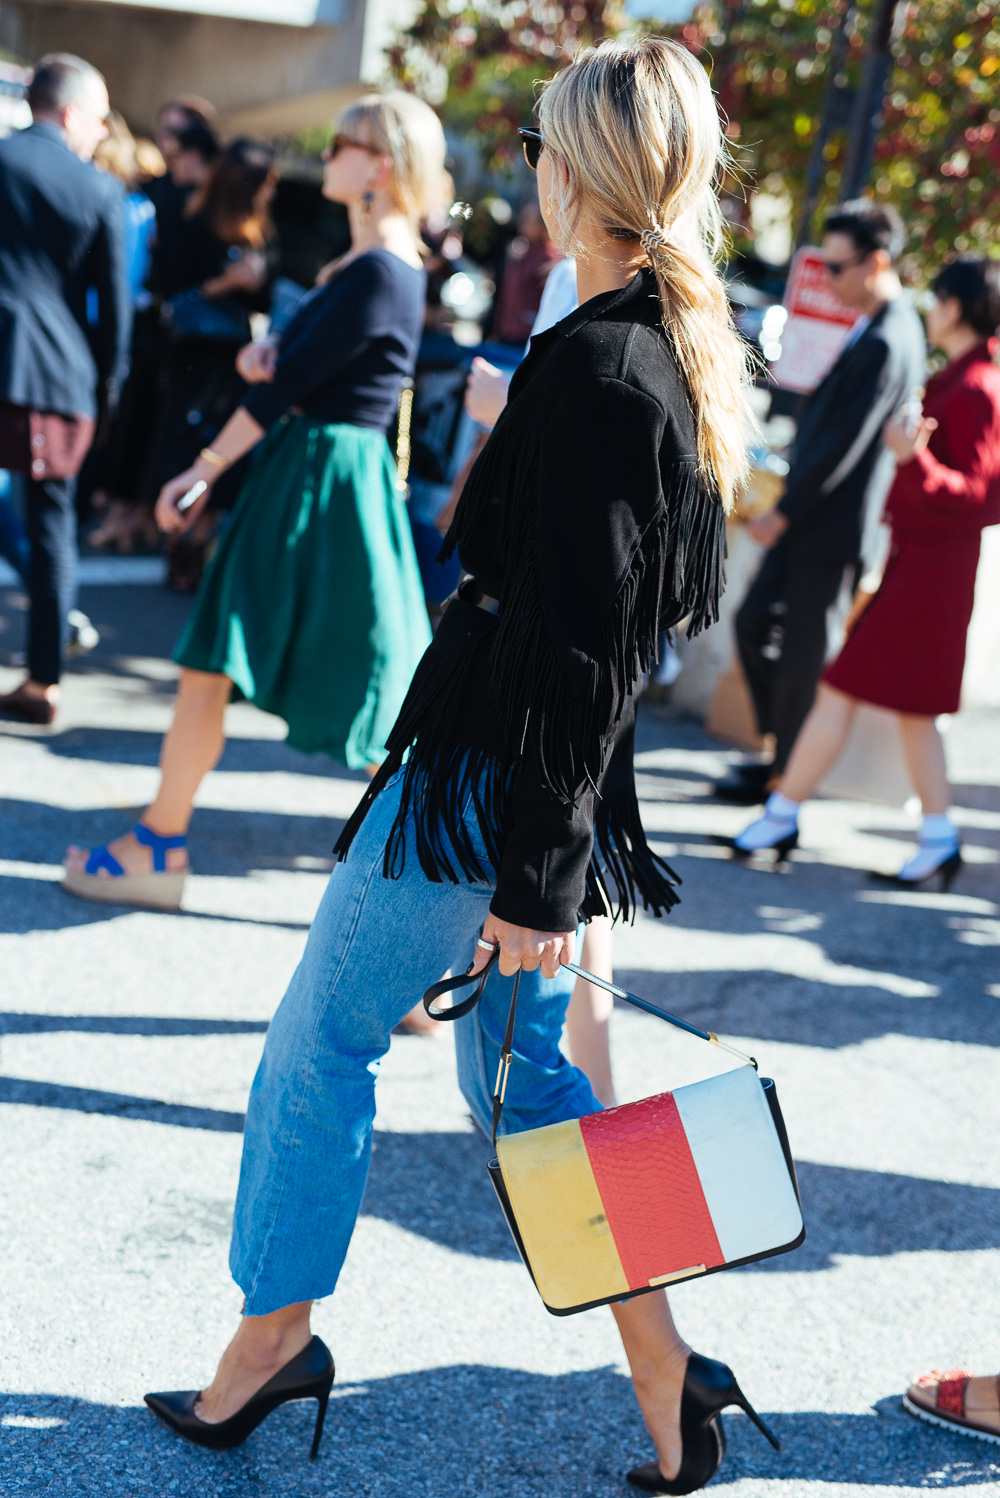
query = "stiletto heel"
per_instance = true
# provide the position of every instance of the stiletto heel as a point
(748, 1409)
(308, 1376)
(949, 869)
(708, 1388)
(324, 1400)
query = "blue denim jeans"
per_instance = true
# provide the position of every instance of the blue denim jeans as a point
(375, 946)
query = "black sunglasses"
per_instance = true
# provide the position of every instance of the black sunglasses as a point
(837, 267)
(532, 145)
(344, 142)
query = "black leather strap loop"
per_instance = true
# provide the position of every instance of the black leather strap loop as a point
(449, 985)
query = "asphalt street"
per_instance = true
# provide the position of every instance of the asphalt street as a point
(128, 1041)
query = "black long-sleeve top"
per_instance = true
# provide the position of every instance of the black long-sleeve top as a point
(586, 517)
(350, 345)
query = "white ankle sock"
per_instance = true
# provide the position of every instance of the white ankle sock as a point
(783, 810)
(938, 828)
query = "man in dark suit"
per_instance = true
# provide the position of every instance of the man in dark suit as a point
(814, 535)
(64, 325)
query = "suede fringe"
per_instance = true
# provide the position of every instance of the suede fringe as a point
(677, 570)
(568, 729)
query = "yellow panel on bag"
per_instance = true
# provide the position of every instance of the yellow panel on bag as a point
(560, 1215)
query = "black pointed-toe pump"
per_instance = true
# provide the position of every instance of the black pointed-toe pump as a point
(309, 1375)
(708, 1388)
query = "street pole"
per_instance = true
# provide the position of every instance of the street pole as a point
(869, 105)
(832, 95)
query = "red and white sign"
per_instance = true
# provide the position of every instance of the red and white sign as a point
(817, 328)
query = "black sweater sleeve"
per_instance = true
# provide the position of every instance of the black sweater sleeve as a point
(333, 330)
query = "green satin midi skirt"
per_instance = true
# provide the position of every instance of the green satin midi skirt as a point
(313, 604)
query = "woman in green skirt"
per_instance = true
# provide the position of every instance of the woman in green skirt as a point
(313, 606)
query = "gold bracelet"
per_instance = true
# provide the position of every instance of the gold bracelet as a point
(214, 458)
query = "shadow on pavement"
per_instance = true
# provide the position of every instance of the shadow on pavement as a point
(461, 1431)
(781, 1007)
(435, 1185)
(34, 1094)
(42, 905)
(125, 1024)
(127, 746)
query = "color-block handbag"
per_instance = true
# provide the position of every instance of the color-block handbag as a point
(627, 1200)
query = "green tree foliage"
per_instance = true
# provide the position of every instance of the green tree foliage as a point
(938, 151)
(937, 155)
(482, 59)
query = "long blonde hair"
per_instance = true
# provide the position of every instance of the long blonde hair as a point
(407, 130)
(637, 127)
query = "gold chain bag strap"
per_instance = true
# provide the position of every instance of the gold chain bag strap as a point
(404, 420)
(624, 1201)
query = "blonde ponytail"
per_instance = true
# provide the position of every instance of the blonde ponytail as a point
(638, 130)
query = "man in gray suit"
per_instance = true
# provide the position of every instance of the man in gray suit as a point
(64, 327)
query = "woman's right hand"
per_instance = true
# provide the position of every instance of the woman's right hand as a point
(256, 362)
(486, 392)
(172, 521)
(525, 949)
(906, 438)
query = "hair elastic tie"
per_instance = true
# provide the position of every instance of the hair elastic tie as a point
(652, 239)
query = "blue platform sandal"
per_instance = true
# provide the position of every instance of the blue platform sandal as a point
(103, 878)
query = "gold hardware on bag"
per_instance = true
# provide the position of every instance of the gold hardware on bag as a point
(503, 1072)
(678, 1274)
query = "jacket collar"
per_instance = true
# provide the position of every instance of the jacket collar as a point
(981, 353)
(48, 130)
(641, 286)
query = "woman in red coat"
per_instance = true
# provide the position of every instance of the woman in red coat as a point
(907, 650)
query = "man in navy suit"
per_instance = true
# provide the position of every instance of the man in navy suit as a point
(64, 328)
(837, 470)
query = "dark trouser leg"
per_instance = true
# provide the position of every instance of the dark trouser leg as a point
(758, 633)
(811, 589)
(50, 516)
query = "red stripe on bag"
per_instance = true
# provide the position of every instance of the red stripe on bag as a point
(649, 1185)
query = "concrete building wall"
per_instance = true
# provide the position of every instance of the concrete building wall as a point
(269, 78)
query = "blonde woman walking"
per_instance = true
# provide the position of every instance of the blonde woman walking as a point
(506, 809)
(313, 606)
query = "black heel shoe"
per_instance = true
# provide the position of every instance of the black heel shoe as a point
(781, 848)
(708, 1388)
(307, 1376)
(944, 872)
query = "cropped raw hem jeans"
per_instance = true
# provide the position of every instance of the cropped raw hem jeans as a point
(374, 948)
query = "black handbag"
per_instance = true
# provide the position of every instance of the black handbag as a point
(632, 1198)
(189, 314)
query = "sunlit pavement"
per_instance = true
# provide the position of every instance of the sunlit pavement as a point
(129, 1041)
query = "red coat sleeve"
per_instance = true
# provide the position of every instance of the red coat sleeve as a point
(969, 435)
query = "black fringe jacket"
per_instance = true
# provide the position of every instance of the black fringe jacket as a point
(585, 516)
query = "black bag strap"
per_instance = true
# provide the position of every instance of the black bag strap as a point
(448, 985)
(456, 1011)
